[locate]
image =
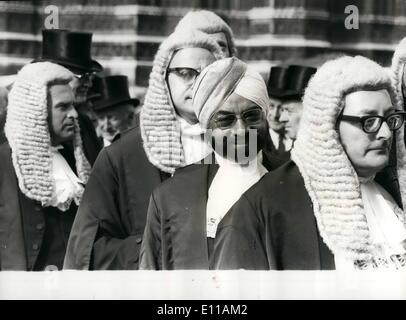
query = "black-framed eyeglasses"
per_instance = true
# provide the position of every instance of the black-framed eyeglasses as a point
(188, 75)
(372, 124)
(249, 117)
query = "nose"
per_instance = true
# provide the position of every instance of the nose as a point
(284, 117)
(72, 113)
(103, 121)
(278, 112)
(239, 126)
(384, 132)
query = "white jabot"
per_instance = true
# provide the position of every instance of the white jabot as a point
(106, 142)
(275, 139)
(67, 186)
(229, 183)
(194, 146)
(387, 231)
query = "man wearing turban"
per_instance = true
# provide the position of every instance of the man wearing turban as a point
(337, 204)
(107, 232)
(43, 169)
(230, 101)
(399, 72)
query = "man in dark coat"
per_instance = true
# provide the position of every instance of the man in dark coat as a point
(399, 69)
(114, 109)
(185, 210)
(347, 210)
(72, 50)
(107, 232)
(286, 86)
(44, 167)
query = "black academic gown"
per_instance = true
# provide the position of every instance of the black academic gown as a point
(109, 225)
(273, 226)
(175, 233)
(32, 237)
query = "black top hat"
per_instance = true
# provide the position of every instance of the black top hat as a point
(113, 91)
(69, 49)
(289, 82)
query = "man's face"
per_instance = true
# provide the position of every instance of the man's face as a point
(182, 71)
(368, 152)
(291, 113)
(61, 113)
(81, 84)
(114, 120)
(238, 129)
(274, 114)
(221, 40)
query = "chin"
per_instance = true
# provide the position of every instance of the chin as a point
(276, 126)
(378, 164)
(243, 155)
(67, 137)
(108, 136)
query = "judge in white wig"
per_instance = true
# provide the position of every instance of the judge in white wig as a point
(336, 205)
(210, 23)
(108, 230)
(399, 73)
(44, 168)
(229, 100)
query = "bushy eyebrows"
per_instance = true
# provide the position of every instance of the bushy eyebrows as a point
(367, 112)
(64, 104)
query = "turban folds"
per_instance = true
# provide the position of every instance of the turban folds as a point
(222, 78)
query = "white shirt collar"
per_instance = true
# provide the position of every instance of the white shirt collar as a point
(195, 148)
(67, 186)
(387, 231)
(229, 183)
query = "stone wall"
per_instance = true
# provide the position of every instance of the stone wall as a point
(127, 33)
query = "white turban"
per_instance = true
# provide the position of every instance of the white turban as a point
(222, 78)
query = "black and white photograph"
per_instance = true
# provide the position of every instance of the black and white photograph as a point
(203, 150)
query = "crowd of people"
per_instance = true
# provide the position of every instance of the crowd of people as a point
(218, 169)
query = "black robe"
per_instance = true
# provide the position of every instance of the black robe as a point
(273, 226)
(109, 225)
(33, 237)
(175, 233)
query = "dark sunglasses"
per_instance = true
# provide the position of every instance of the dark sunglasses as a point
(249, 117)
(372, 124)
(188, 75)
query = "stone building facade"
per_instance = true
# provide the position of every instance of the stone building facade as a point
(127, 33)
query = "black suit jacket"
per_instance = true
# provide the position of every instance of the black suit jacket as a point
(175, 233)
(273, 150)
(109, 225)
(25, 226)
(273, 226)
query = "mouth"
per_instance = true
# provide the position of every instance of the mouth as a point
(381, 149)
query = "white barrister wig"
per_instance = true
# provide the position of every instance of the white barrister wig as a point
(398, 66)
(207, 22)
(329, 176)
(160, 129)
(28, 133)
